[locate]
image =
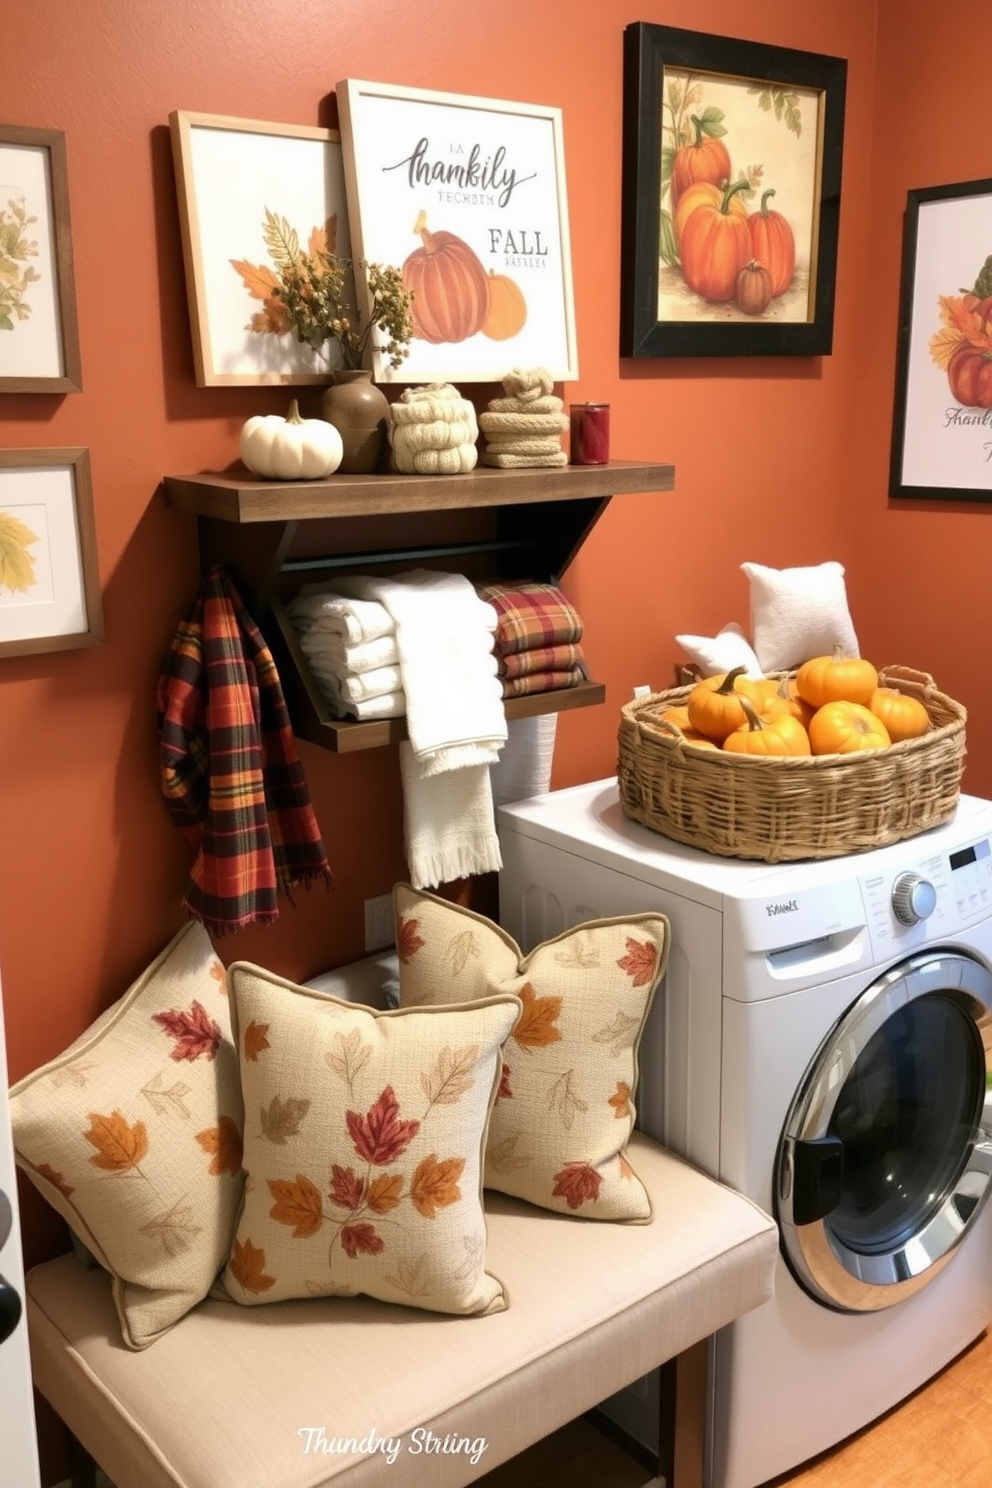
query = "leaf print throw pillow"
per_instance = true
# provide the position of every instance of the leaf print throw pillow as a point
(565, 1106)
(134, 1136)
(364, 1141)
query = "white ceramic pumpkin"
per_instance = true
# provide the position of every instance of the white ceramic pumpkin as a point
(290, 448)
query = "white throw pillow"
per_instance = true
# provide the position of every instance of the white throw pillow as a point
(729, 648)
(797, 613)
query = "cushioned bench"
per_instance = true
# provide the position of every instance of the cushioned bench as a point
(356, 1393)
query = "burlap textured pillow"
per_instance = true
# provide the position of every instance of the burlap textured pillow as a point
(565, 1109)
(364, 1136)
(134, 1136)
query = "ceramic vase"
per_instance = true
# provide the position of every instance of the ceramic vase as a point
(360, 413)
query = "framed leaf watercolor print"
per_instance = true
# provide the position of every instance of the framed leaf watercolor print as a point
(49, 576)
(251, 196)
(942, 426)
(730, 196)
(39, 336)
(467, 197)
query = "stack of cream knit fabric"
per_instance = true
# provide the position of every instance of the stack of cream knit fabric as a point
(524, 428)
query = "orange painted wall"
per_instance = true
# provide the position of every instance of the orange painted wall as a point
(91, 869)
(919, 573)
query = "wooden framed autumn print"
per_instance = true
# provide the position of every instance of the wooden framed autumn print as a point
(942, 427)
(252, 196)
(732, 154)
(39, 336)
(49, 577)
(466, 196)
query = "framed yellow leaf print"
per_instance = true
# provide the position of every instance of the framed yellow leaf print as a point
(49, 576)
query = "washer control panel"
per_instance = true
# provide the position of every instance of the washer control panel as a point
(938, 894)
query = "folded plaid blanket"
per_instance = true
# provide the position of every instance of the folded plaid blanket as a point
(531, 616)
(542, 682)
(540, 659)
(230, 771)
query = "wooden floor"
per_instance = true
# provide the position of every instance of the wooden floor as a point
(941, 1437)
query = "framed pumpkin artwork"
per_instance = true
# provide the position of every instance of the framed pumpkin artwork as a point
(467, 197)
(730, 208)
(942, 427)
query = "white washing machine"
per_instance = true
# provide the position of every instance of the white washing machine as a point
(822, 1043)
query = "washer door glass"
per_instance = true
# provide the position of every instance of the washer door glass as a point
(886, 1155)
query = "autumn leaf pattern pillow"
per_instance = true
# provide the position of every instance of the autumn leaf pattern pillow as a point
(134, 1136)
(565, 1106)
(364, 1139)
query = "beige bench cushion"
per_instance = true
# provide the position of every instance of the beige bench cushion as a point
(221, 1400)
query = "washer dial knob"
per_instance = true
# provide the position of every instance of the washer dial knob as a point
(913, 898)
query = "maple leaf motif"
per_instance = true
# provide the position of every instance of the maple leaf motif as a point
(619, 1034)
(626, 1171)
(408, 941)
(219, 973)
(119, 1145)
(563, 1099)
(271, 320)
(174, 1229)
(410, 1277)
(462, 948)
(248, 1268)
(195, 1032)
(346, 1187)
(535, 1028)
(380, 1136)
(475, 1249)
(55, 1179)
(361, 1239)
(257, 279)
(620, 1100)
(640, 961)
(71, 1074)
(450, 1076)
(223, 1143)
(385, 1192)
(348, 1055)
(576, 1183)
(297, 1204)
(504, 1156)
(504, 1092)
(435, 1184)
(282, 1119)
(256, 1040)
(167, 1100)
(580, 954)
(324, 239)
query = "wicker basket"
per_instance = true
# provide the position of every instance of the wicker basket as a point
(784, 810)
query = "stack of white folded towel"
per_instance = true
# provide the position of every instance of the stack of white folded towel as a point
(350, 645)
(420, 645)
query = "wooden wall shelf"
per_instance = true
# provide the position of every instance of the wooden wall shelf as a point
(498, 525)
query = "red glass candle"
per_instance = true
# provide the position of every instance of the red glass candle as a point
(589, 433)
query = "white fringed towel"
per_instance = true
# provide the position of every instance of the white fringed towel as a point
(444, 633)
(354, 619)
(367, 656)
(448, 823)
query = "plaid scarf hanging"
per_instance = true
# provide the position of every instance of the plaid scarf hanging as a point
(230, 771)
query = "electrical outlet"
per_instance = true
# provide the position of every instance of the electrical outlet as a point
(379, 928)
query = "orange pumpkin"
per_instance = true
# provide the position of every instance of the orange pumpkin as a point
(706, 159)
(783, 698)
(904, 717)
(773, 244)
(715, 247)
(714, 705)
(450, 287)
(507, 313)
(702, 193)
(845, 728)
(677, 715)
(836, 678)
(753, 288)
(767, 734)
